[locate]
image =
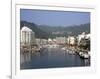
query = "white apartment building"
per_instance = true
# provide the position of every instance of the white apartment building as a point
(27, 36)
(71, 40)
(83, 36)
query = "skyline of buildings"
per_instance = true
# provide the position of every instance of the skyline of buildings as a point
(28, 38)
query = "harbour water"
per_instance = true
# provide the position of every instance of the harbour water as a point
(51, 58)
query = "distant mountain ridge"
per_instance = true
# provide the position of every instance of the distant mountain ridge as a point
(45, 31)
(38, 32)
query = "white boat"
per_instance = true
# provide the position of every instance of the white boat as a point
(84, 55)
(67, 50)
(89, 52)
(63, 48)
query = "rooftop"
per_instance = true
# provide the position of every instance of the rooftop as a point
(25, 28)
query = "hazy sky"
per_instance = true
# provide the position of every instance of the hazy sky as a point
(54, 18)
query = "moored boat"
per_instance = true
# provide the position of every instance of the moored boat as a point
(84, 55)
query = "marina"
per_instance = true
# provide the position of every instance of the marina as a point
(52, 57)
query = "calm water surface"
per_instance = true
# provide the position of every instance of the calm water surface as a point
(51, 58)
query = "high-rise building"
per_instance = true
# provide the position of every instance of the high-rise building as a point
(27, 36)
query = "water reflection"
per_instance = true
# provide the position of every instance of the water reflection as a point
(25, 57)
(51, 58)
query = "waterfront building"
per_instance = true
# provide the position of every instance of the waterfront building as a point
(44, 41)
(83, 36)
(71, 40)
(50, 41)
(87, 36)
(54, 41)
(80, 37)
(27, 36)
(60, 40)
(38, 41)
(41, 41)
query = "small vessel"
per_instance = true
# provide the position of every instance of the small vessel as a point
(84, 55)
(67, 50)
(63, 48)
(71, 52)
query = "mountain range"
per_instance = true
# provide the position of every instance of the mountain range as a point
(46, 31)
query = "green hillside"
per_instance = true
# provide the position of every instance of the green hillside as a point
(45, 31)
